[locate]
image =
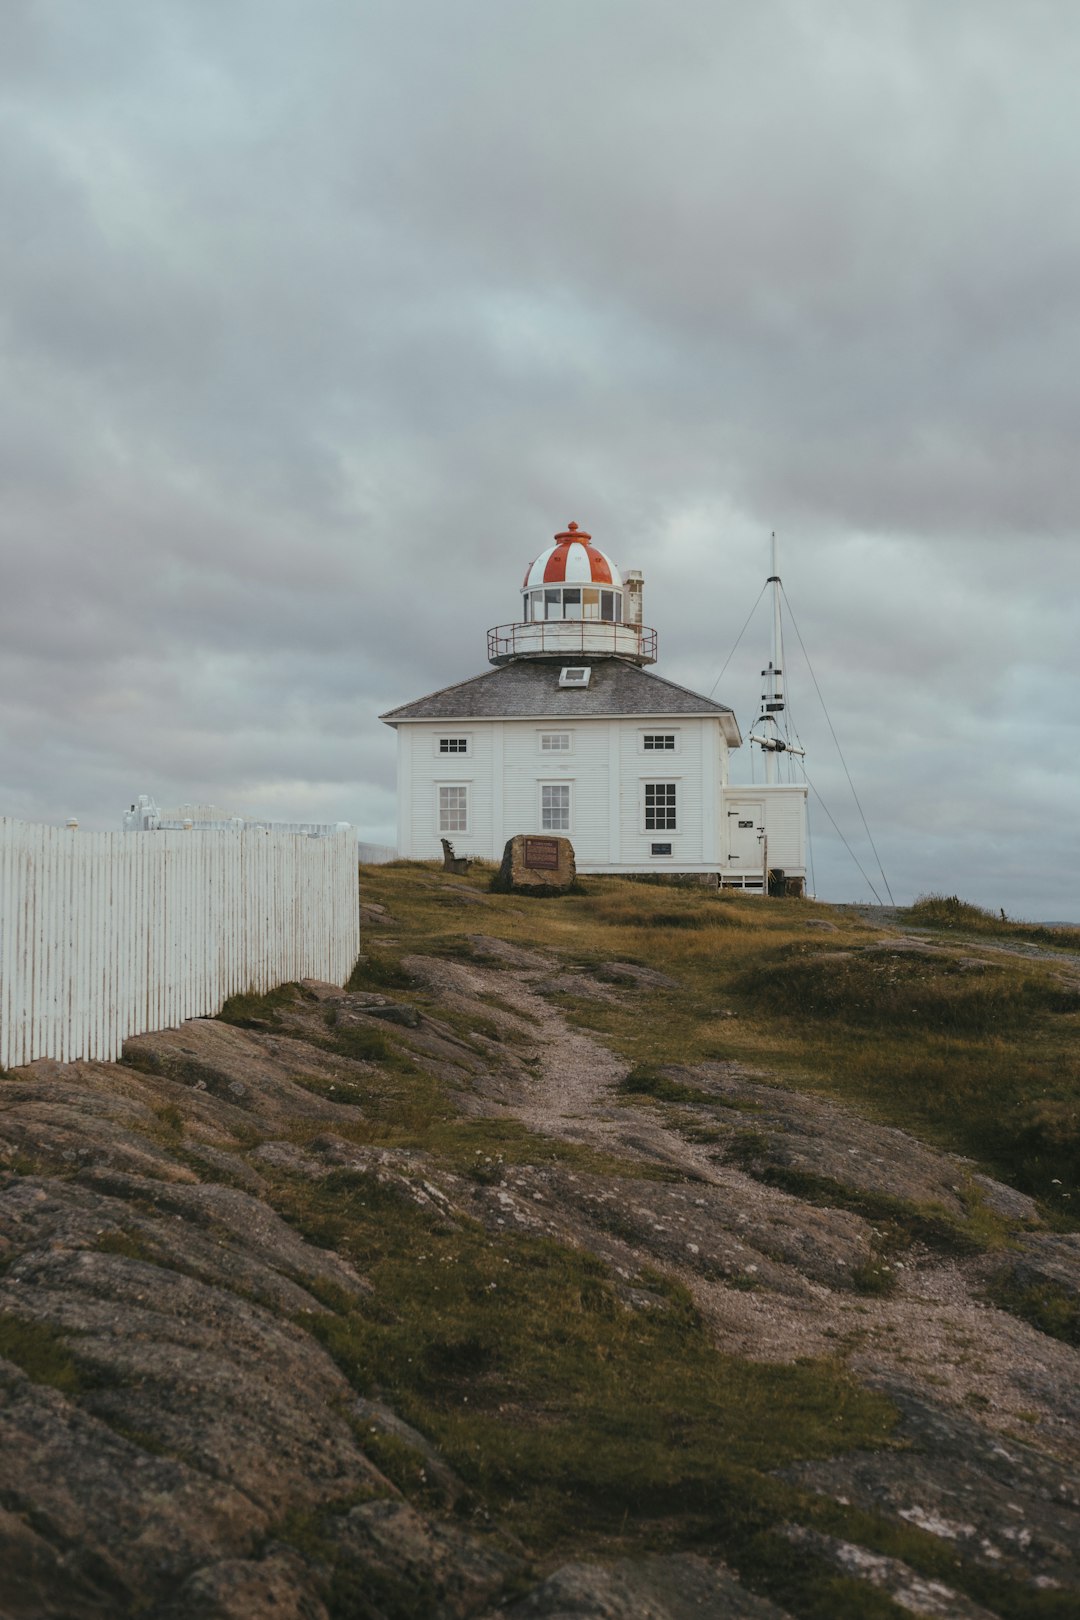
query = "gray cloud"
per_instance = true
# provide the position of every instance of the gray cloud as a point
(316, 321)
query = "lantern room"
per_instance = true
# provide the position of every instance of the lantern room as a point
(575, 602)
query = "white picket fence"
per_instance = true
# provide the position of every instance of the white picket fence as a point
(375, 854)
(106, 935)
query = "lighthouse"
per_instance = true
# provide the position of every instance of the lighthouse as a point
(574, 602)
(570, 732)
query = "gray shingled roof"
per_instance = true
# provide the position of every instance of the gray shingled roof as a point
(529, 689)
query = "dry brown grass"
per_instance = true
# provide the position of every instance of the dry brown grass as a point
(983, 1061)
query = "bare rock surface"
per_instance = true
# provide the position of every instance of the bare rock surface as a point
(775, 1128)
(501, 950)
(697, 1226)
(635, 976)
(429, 1567)
(94, 1509)
(196, 1368)
(1048, 1257)
(918, 1594)
(679, 1588)
(1001, 1503)
(278, 1585)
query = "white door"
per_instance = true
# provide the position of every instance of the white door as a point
(745, 823)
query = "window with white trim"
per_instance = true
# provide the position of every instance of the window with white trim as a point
(453, 807)
(555, 806)
(658, 742)
(555, 742)
(453, 745)
(660, 807)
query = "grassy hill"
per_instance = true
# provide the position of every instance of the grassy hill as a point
(943, 1020)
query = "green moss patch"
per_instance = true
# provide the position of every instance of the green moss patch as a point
(251, 1010)
(129, 1245)
(934, 1227)
(899, 989)
(375, 971)
(40, 1351)
(564, 1410)
(360, 1042)
(1048, 1307)
(647, 1081)
(948, 912)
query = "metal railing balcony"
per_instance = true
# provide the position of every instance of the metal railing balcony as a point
(571, 638)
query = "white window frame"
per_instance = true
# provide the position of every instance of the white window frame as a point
(452, 736)
(564, 748)
(576, 676)
(666, 781)
(658, 731)
(558, 831)
(453, 832)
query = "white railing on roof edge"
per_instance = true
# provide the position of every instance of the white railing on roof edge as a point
(555, 637)
(145, 816)
(103, 935)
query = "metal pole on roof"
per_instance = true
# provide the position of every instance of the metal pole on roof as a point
(773, 698)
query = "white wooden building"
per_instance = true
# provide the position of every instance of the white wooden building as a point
(568, 733)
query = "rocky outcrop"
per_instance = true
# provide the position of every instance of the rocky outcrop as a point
(1001, 1504)
(682, 1588)
(179, 1437)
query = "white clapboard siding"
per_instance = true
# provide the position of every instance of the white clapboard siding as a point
(504, 768)
(106, 935)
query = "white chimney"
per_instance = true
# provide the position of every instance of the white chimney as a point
(634, 581)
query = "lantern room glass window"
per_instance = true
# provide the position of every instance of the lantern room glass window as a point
(555, 806)
(572, 602)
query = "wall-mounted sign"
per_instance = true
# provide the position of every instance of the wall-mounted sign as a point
(542, 854)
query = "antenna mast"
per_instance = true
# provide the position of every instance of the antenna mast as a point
(770, 732)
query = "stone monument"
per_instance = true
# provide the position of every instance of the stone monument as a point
(538, 865)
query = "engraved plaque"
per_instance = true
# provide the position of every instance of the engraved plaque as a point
(542, 854)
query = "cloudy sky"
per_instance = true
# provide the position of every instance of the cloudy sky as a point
(319, 317)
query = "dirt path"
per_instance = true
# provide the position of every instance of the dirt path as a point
(935, 1331)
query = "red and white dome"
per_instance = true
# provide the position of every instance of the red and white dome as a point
(573, 560)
